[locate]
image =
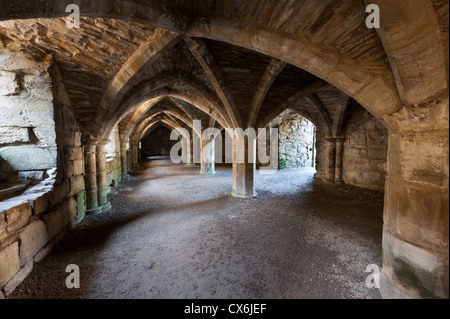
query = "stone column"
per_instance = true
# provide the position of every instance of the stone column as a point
(124, 160)
(330, 160)
(196, 148)
(190, 154)
(416, 216)
(244, 168)
(90, 154)
(339, 160)
(208, 165)
(101, 178)
(135, 156)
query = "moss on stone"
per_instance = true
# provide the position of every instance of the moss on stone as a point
(414, 278)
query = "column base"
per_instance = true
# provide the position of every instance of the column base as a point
(126, 177)
(94, 211)
(106, 207)
(387, 290)
(208, 173)
(243, 196)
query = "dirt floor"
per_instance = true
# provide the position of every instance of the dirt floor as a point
(176, 234)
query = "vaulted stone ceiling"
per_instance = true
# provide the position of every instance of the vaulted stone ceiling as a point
(112, 66)
(88, 59)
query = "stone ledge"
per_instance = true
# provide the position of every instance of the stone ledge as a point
(18, 278)
(9, 262)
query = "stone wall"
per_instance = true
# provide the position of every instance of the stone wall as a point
(296, 141)
(114, 163)
(365, 149)
(33, 223)
(322, 158)
(27, 127)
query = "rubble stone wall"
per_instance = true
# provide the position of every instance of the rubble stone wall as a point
(33, 223)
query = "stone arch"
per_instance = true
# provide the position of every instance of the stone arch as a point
(139, 127)
(377, 93)
(201, 99)
(147, 112)
(147, 127)
(155, 126)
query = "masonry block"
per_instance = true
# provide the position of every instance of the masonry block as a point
(59, 193)
(78, 167)
(3, 226)
(8, 83)
(75, 153)
(44, 252)
(69, 210)
(18, 278)
(406, 208)
(81, 206)
(41, 204)
(68, 169)
(32, 239)
(14, 135)
(54, 222)
(25, 158)
(17, 217)
(9, 262)
(77, 184)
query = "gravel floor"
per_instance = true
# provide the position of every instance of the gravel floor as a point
(176, 234)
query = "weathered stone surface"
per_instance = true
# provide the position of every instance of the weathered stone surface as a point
(81, 206)
(78, 167)
(31, 113)
(365, 150)
(41, 204)
(3, 226)
(44, 252)
(75, 153)
(59, 193)
(18, 217)
(296, 140)
(38, 86)
(27, 158)
(9, 262)
(406, 206)
(69, 210)
(77, 184)
(414, 272)
(54, 222)
(8, 83)
(32, 239)
(14, 135)
(18, 278)
(32, 175)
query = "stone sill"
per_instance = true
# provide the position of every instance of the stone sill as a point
(28, 194)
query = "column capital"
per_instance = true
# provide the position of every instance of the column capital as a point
(89, 140)
(103, 143)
